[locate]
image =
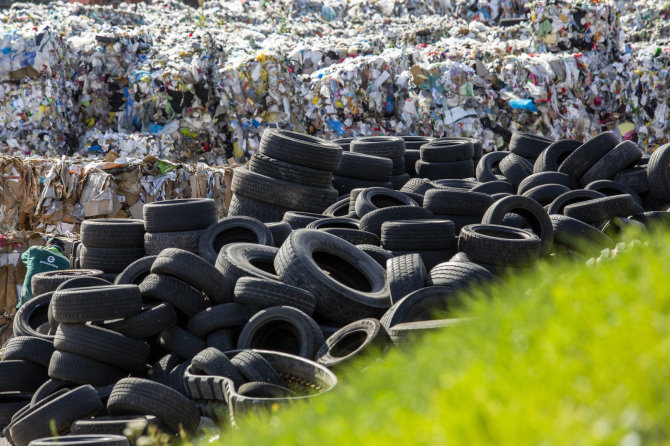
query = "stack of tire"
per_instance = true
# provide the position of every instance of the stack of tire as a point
(391, 147)
(110, 245)
(413, 153)
(358, 170)
(447, 158)
(291, 171)
(177, 223)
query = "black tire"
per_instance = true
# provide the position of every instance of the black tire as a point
(445, 151)
(109, 260)
(82, 282)
(144, 397)
(281, 230)
(160, 371)
(430, 257)
(658, 175)
(46, 282)
(112, 233)
(31, 315)
(398, 167)
(177, 376)
(81, 370)
(635, 178)
(56, 416)
(345, 185)
(379, 255)
(401, 235)
(353, 236)
(241, 206)
(215, 318)
(155, 242)
(418, 186)
(264, 390)
(292, 173)
(213, 362)
(494, 187)
(21, 375)
(538, 179)
(411, 157)
(623, 156)
(528, 145)
(349, 283)
(534, 214)
(424, 304)
(375, 198)
(460, 220)
(255, 368)
(554, 155)
(343, 143)
(353, 340)
(193, 270)
(109, 425)
(465, 184)
(334, 223)
(262, 293)
(610, 188)
(586, 155)
(48, 388)
(283, 329)
(405, 274)
(574, 196)
(415, 142)
(457, 202)
(231, 230)
(223, 340)
(418, 198)
(601, 209)
(238, 260)
(499, 245)
(136, 272)
(545, 194)
(515, 168)
(149, 322)
(102, 345)
(459, 275)
(182, 296)
(300, 220)
(398, 181)
(11, 403)
(372, 221)
(339, 209)
(487, 168)
(180, 342)
(300, 149)
(365, 167)
(653, 219)
(453, 169)
(96, 303)
(579, 236)
(28, 348)
(384, 146)
(188, 214)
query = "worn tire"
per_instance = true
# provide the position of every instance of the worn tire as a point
(552, 157)
(109, 260)
(28, 348)
(238, 260)
(182, 296)
(405, 274)
(155, 242)
(231, 230)
(263, 293)
(215, 318)
(457, 202)
(81, 370)
(42, 283)
(300, 149)
(374, 198)
(364, 167)
(353, 340)
(586, 155)
(112, 233)
(372, 221)
(499, 245)
(187, 214)
(96, 303)
(601, 209)
(136, 272)
(407, 235)
(453, 169)
(293, 173)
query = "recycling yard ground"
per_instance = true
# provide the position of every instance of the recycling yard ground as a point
(567, 355)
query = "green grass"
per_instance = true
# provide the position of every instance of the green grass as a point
(570, 355)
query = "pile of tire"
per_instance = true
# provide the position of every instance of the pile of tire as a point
(390, 147)
(291, 171)
(448, 158)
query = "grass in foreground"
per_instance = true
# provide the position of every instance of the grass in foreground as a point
(571, 355)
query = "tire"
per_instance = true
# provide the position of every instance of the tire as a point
(464, 184)
(334, 223)
(31, 315)
(177, 376)
(459, 276)
(112, 233)
(28, 348)
(292, 173)
(353, 340)
(586, 155)
(383, 146)
(231, 230)
(365, 167)
(223, 340)
(182, 296)
(398, 167)
(160, 371)
(109, 260)
(515, 168)
(345, 185)
(113, 425)
(494, 187)
(193, 270)
(653, 219)
(379, 255)
(46, 282)
(300, 149)
(601, 209)
(430, 257)
(180, 342)
(215, 318)
(262, 293)
(574, 196)
(155, 242)
(241, 206)
(488, 166)
(422, 305)
(48, 388)
(378, 198)
(339, 209)
(11, 403)
(281, 230)
(657, 174)
(56, 416)
(545, 194)
(623, 156)
(554, 155)
(141, 396)
(579, 236)
(255, 368)
(539, 179)
(343, 143)
(78, 369)
(283, 329)
(136, 272)
(499, 245)
(418, 186)
(188, 214)
(411, 157)
(459, 220)
(238, 260)
(300, 220)
(146, 324)
(21, 375)
(405, 274)
(349, 283)
(457, 202)
(398, 181)
(213, 362)
(453, 169)
(354, 236)
(282, 193)
(372, 221)
(103, 345)
(82, 282)
(418, 199)
(264, 390)
(415, 142)
(528, 145)
(408, 235)
(445, 151)
(610, 188)
(96, 303)
(534, 214)
(635, 178)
